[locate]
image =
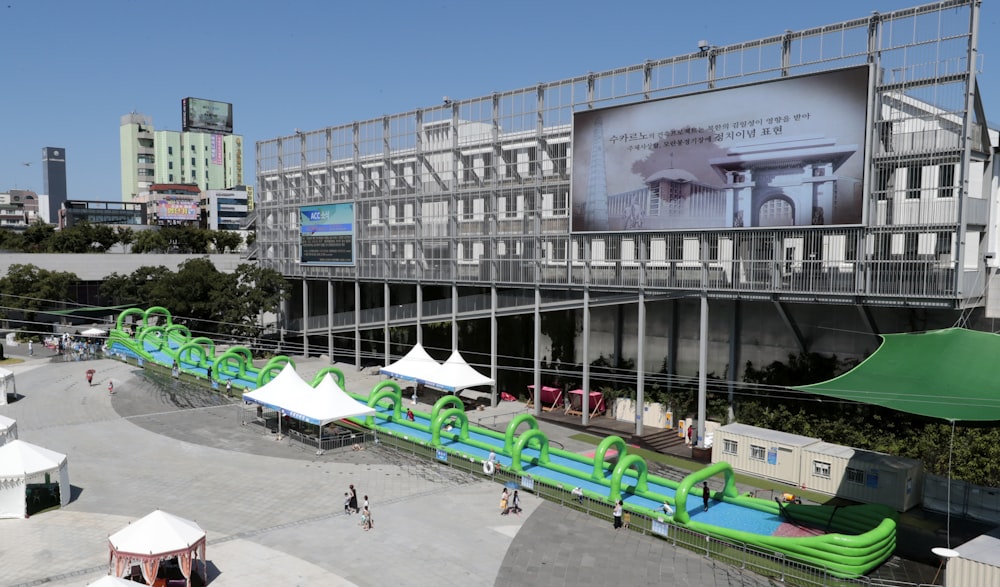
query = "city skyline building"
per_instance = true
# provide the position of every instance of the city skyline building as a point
(54, 181)
(149, 156)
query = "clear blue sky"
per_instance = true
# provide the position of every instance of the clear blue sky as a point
(69, 69)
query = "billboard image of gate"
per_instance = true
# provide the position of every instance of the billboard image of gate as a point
(782, 153)
(326, 234)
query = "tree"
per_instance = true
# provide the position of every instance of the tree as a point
(150, 241)
(251, 290)
(37, 235)
(135, 288)
(28, 288)
(224, 240)
(126, 236)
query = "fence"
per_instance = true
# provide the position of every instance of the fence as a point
(967, 500)
(774, 565)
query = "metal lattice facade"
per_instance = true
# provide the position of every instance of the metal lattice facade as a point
(477, 192)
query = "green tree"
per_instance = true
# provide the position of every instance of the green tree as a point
(225, 241)
(150, 241)
(31, 289)
(37, 235)
(125, 235)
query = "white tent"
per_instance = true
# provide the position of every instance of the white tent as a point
(456, 375)
(6, 385)
(289, 395)
(93, 332)
(23, 464)
(156, 537)
(8, 429)
(416, 365)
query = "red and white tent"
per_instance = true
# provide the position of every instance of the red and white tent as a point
(154, 538)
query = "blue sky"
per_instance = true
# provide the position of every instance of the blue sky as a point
(69, 69)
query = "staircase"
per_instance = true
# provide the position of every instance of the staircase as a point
(665, 441)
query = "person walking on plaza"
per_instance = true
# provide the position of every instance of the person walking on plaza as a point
(111, 387)
(706, 494)
(354, 499)
(347, 503)
(367, 508)
(515, 503)
(90, 377)
(616, 514)
(31, 349)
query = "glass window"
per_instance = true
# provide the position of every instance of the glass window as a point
(855, 476)
(730, 446)
(170, 150)
(757, 453)
(821, 469)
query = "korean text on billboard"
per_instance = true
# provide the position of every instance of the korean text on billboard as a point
(326, 234)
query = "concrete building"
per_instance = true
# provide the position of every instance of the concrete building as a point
(132, 214)
(148, 156)
(691, 214)
(54, 181)
(227, 209)
(18, 209)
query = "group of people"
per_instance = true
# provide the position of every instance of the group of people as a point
(509, 504)
(351, 506)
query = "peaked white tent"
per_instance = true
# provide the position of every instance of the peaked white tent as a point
(416, 365)
(290, 396)
(23, 463)
(6, 385)
(8, 429)
(156, 537)
(456, 375)
(109, 581)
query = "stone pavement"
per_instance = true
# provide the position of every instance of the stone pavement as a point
(273, 512)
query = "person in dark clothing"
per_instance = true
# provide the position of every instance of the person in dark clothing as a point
(706, 494)
(354, 500)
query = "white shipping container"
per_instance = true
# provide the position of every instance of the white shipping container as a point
(862, 475)
(761, 452)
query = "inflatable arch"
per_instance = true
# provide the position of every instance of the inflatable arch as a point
(602, 449)
(438, 421)
(181, 331)
(624, 464)
(449, 400)
(338, 376)
(386, 389)
(168, 318)
(242, 358)
(680, 498)
(523, 442)
(154, 335)
(508, 441)
(120, 322)
(192, 353)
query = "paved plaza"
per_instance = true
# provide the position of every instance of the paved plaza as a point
(273, 511)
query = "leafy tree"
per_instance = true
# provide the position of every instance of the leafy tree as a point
(132, 289)
(150, 241)
(31, 289)
(70, 240)
(125, 235)
(103, 237)
(37, 235)
(226, 241)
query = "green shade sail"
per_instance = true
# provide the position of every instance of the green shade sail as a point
(949, 374)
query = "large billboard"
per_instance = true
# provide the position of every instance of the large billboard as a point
(784, 153)
(181, 210)
(206, 115)
(326, 234)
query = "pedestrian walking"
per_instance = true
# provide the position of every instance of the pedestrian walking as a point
(347, 503)
(229, 386)
(90, 377)
(354, 499)
(368, 509)
(366, 520)
(111, 387)
(616, 514)
(209, 373)
(503, 503)
(705, 495)
(515, 503)
(31, 349)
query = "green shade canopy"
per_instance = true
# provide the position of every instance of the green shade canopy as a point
(948, 374)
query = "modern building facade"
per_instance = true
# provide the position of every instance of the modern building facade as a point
(54, 180)
(148, 156)
(816, 188)
(132, 214)
(19, 209)
(227, 209)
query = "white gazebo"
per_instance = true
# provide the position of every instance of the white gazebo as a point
(8, 429)
(6, 385)
(157, 537)
(22, 465)
(455, 375)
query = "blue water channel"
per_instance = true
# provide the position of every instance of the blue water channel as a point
(719, 513)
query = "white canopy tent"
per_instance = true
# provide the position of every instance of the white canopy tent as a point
(6, 385)
(22, 464)
(416, 365)
(156, 537)
(290, 396)
(455, 375)
(94, 332)
(8, 429)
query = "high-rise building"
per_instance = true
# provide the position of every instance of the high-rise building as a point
(54, 179)
(148, 156)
